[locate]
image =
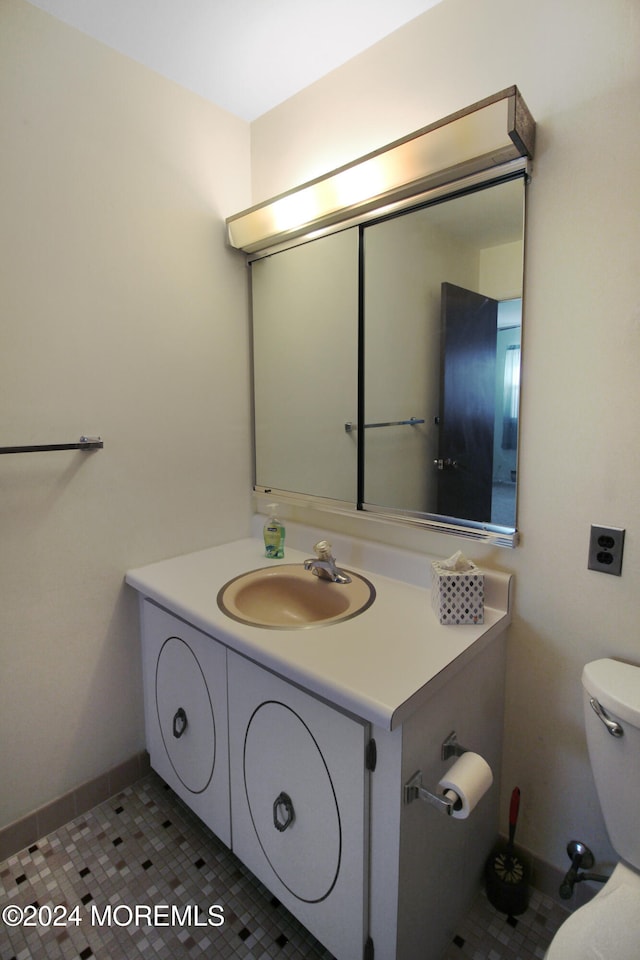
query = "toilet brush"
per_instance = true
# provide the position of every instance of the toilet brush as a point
(505, 873)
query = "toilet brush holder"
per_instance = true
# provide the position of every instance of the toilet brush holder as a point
(506, 874)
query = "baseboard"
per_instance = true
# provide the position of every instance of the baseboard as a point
(22, 833)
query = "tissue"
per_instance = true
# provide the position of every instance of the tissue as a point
(458, 562)
(457, 590)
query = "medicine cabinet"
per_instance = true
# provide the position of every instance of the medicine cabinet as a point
(387, 331)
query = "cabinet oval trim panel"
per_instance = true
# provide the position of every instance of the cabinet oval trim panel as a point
(289, 840)
(187, 723)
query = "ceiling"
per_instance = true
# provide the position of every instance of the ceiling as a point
(247, 56)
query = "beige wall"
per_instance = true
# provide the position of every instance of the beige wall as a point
(124, 315)
(577, 66)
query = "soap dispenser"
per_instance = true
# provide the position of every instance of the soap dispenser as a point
(273, 535)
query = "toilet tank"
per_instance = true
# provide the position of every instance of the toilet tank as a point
(615, 760)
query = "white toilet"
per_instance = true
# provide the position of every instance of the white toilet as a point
(608, 927)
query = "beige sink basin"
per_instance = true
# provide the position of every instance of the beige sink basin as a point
(289, 597)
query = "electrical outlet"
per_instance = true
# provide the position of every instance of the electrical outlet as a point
(605, 549)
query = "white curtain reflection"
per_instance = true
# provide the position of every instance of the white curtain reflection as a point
(511, 398)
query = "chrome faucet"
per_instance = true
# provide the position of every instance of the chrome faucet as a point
(323, 565)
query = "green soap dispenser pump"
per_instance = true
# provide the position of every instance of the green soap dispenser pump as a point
(273, 535)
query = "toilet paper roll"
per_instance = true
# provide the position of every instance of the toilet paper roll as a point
(466, 783)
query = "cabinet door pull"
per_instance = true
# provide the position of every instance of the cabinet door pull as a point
(180, 723)
(283, 800)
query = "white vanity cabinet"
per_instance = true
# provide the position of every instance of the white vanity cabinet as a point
(295, 746)
(277, 774)
(299, 794)
(185, 705)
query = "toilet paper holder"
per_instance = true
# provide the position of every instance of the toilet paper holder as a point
(414, 789)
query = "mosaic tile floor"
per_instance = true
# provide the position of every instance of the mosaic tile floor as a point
(486, 934)
(74, 894)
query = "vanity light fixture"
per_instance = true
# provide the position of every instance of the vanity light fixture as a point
(492, 132)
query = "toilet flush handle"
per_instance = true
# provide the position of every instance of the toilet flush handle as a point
(612, 726)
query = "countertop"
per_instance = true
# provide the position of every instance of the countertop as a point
(380, 666)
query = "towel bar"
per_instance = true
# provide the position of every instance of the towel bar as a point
(411, 422)
(84, 443)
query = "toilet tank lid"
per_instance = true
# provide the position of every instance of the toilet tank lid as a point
(616, 685)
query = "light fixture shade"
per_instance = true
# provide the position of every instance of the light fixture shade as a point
(486, 135)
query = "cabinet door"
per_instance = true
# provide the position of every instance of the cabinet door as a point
(184, 675)
(299, 798)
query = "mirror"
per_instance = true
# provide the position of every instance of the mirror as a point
(387, 359)
(442, 295)
(305, 367)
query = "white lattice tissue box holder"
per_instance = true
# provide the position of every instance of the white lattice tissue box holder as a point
(457, 590)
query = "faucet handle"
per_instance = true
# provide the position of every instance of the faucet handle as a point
(323, 550)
